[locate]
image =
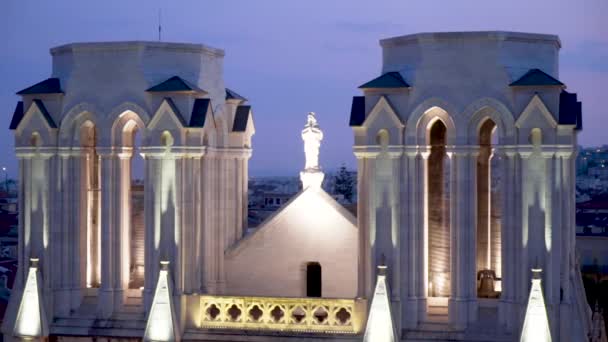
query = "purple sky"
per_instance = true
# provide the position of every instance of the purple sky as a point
(291, 57)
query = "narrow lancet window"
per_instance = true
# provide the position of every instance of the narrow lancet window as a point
(438, 214)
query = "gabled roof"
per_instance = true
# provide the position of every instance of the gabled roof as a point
(241, 118)
(175, 110)
(570, 110)
(357, 111)
(175, 84)
(17, 115)
(45, 113)
(199, 112)
(48, 86)
(391, 79)
(536, 77)
(232, 95)
(320, 197)
(20, 113)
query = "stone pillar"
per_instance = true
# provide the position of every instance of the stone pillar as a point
(469, 200)
(422, 225)
(565, 163)
(522, 233)
(410, 235)
(210, 225)
(396, 231)
(551, 239)
(366, 221)
(106, 298)
(77, 235)
(61, 245)
(151, 221)
(122, 240)
(463, 218)
(36, 209)
(508, 240)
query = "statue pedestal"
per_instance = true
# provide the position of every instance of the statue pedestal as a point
(312, 178)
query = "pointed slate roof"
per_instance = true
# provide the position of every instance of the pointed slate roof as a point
(536, 77)
(20, 113)
(570, 110)
(199, 113)
(232, 95)
(391, 79)
(357, 111)
(48, 86)
(174, 84)
(45, 113)
(175, 110)
(17, 115)
(241, 118)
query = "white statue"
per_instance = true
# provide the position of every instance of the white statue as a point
(312, 136)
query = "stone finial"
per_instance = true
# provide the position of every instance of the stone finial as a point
(162, 325)
(31, 322)
(380, 323)
(536, 321)
(312, 136)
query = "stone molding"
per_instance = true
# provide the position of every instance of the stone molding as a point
(535, 38)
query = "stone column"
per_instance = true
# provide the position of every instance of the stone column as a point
(210, 253)
(395, 235)
(551, 239)
(463, 218)
(366, 220)
(122, 241)
(77, 235)
(410, 235)
(36, 209)
(508, 240)
(106, 298)
(62, 234)
(565, 163)
(522, 234)
(150, 222)
(469, 200)
(422, 227)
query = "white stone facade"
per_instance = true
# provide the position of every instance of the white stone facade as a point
(75, 146)
(462, 80)
(428, 211)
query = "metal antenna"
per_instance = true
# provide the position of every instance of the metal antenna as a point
(159, 23)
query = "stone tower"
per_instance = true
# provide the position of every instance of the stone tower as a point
(76, 135)
(465, 146)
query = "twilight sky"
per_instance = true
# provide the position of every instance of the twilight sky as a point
(291, 57)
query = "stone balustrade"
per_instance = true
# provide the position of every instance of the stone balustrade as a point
(310, 315)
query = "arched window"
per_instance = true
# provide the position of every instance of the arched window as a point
(488, 214)
(438, 213)
(136, 276)
(313, 279)
(91, 178)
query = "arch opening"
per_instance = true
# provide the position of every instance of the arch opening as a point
(438, 212)
(488, 234)
(133, 138)
(90, 173)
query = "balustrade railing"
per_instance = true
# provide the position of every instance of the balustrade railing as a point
(313, 315)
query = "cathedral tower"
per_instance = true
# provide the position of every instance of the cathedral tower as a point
(107, 110)
(465, 146)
